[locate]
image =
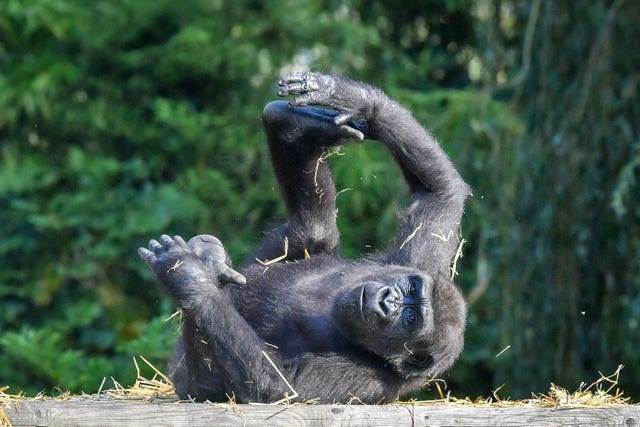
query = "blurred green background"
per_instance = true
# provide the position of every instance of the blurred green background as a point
(121, 120)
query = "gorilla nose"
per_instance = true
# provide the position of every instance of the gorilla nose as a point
(381, 300)
(388, 302)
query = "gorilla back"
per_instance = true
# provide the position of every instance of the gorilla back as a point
(337, 330)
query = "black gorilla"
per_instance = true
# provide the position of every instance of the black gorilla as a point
(338, 330)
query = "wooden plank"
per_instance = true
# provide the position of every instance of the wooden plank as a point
(121, 413)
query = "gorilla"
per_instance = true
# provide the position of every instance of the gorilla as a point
(312, 325)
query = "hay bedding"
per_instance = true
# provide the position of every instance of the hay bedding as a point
(604, 392)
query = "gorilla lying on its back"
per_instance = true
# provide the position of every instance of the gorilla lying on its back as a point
(336, 329)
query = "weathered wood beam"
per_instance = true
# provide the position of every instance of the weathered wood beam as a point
(119, 413)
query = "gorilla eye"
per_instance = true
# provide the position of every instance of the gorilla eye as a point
(412, 289)
(411, 318)
(414, 281)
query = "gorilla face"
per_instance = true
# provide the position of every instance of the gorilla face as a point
(390, 316)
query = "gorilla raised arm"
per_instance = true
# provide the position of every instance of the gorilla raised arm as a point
(336, 329)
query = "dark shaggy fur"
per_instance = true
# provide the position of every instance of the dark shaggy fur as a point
(338, 330)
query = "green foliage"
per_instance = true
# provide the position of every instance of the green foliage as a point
(577, 222)
(120, 121)
(42, 350)
(117, 122)
(123, 120)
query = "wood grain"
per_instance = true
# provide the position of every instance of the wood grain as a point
(122, 413)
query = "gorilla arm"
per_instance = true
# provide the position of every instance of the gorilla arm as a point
(214, 332)
(429, 227)
(334, 378)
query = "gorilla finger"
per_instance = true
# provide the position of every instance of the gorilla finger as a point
(148, 256)
(180, 241)
(295, 77)
(352, 133)
(292, 89)
(312, 83)
(166, 240)
(300, 101)
(155, 246)
(344, 118)
(229, 275)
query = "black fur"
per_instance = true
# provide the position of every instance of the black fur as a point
(338, 330)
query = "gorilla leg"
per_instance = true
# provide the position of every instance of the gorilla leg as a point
(297, 142)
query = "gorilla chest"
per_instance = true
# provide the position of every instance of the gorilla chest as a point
(295, 322)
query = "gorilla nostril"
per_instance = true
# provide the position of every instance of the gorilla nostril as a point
(383, 308)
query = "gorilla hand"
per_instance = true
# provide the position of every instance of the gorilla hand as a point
(182, 271)
(355, 102)
(210, 250)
